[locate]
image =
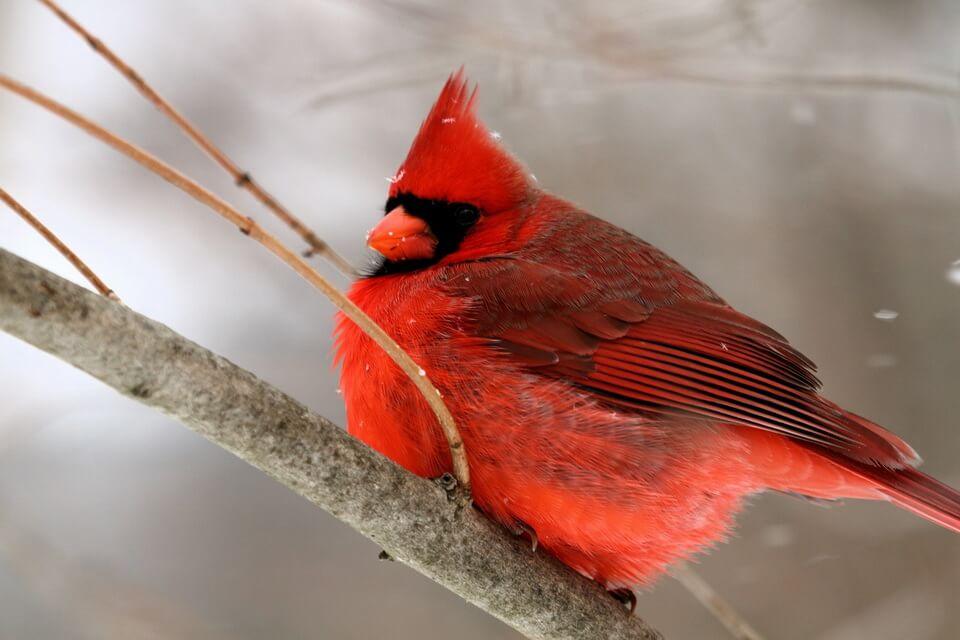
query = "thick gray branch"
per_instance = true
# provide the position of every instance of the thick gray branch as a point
(408, 516)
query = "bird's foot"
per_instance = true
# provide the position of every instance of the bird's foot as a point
(522, 528)
(625, 596)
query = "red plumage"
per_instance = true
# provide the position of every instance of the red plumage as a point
(608, 399)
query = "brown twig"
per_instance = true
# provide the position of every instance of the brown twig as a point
(722, 610)
(249, 227)
(242, 178)
(59, 245)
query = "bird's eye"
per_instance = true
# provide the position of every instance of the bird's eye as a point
(466, 216)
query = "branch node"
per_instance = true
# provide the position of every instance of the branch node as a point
(447, 482)
(141, 390)
(456, 492)
(317, 245)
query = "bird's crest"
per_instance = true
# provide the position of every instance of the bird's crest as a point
(455, 158)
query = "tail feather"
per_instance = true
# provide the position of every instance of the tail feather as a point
(901, 483)
(917, 492)
(912, 490)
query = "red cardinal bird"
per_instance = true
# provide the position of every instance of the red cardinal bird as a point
(610, 402)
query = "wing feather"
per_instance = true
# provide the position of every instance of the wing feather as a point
(649, 344)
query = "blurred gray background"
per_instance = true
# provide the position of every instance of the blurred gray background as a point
(801, 156)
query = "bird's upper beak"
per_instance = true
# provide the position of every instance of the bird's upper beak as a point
(401, 236)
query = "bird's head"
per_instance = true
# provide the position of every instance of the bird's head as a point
(456, 182)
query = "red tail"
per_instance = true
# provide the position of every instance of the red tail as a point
(917, 492)
(903, 485)
(906, 487)
(805, 469)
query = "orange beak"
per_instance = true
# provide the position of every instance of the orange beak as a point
(401, 236)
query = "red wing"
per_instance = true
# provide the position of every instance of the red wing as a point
(654, 350)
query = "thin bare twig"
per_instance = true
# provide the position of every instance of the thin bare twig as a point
(242, 178)
(857, 81)
(59, 245)
(722, 610)
(249, 227)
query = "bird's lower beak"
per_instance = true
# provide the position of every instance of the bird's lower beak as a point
(401, 236)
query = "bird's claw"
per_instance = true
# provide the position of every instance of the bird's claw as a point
(625, 596)
(520, 528)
